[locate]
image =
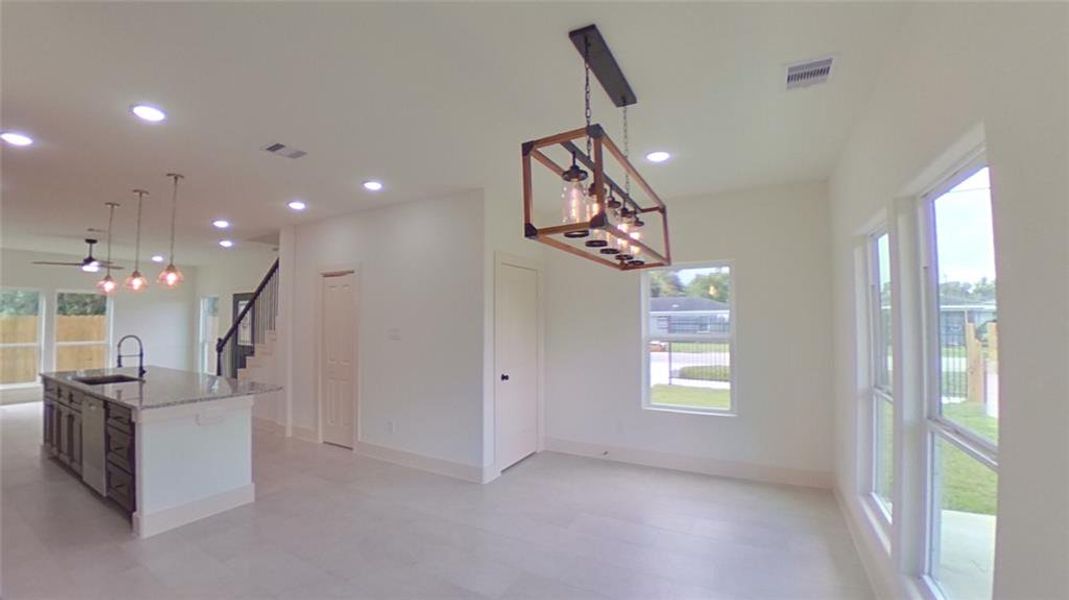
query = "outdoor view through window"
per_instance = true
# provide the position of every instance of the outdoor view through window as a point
(964, 488)
(689, 337)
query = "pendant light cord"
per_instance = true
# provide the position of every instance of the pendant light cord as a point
(137, 244)
(174, 210)
(111, 219)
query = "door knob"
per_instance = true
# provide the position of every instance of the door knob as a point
(504, 377)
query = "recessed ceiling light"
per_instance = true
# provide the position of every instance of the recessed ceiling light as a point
(226, 243)
(149, 113)
(659, 156)
(220, 223)
(157, 258)
(297, 205)
(16, 139)
(372, 185)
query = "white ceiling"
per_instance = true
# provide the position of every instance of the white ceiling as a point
(430, 99)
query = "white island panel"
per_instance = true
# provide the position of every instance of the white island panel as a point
(193, 461)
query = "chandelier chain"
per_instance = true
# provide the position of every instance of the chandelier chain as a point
(627, 153)
(586, 91)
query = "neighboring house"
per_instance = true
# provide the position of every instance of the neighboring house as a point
(684, 315)
(953, 317)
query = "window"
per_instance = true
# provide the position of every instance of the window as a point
(82, 331)
(20, 336)
(689, 338)
(963, 261)
(208, 332)
(882, 358)
(962, 384)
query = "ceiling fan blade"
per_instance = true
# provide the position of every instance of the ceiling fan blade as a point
(103, 265)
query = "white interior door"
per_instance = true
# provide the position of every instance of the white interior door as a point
(338, 395)
(516, 412)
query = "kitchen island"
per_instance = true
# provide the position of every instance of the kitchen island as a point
(167, 448)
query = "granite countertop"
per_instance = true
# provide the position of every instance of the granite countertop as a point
(161, 387)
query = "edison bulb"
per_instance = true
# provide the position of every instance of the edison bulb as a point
(575, 202)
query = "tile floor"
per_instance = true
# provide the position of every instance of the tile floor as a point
(330, 524)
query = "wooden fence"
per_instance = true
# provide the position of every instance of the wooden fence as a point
(20, 364)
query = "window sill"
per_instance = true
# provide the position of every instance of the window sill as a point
(686, 410)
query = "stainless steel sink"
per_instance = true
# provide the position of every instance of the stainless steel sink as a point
(105, 379)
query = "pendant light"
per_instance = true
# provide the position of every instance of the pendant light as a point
(602, 219)
(107, 285)
(170, 276)
(136, 282)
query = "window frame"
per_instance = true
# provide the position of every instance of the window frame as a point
(42, 315)
(109, 321)
(205, 345)
(982, 448)
(878, 392)
(936, 426)
(733, 410)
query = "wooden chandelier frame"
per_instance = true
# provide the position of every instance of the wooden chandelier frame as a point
(600, 144)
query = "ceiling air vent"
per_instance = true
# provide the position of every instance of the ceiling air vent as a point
(284, 150)
(809, 73)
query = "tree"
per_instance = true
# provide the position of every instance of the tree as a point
(18, 302)
(715, 286)
(665, 283)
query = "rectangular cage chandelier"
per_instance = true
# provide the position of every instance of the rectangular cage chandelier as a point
(602, 218)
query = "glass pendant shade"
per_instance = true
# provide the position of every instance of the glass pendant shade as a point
(575, 207)
(136, 282)
(106, 285)
(170, 276)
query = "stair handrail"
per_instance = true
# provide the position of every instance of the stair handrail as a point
(221, 342)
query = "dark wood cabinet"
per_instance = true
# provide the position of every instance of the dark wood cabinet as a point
(62, 438)
(119, 462)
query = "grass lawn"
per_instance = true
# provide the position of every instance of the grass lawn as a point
(968, 485)
(690, 397)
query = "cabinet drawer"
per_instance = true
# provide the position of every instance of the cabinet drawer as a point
(120, 417)
(120, 449)
(76, 399)
(50, 388)
(121, 488)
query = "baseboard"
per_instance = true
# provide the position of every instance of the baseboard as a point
(21, 395)
(693, 464)
(306, 434)
(430, 464)
(267, 425)
(147, 525)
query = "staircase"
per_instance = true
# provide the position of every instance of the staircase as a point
(260, 365)
(247, 349)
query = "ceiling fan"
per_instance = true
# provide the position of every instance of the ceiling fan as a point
(87, 264)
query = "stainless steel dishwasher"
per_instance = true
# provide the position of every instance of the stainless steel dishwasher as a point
(93, 445)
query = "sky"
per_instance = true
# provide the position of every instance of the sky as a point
(964, 233)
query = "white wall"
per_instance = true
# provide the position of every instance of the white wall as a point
(420, 278)
(778, 240)
(1002, 66)
(165, 319)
